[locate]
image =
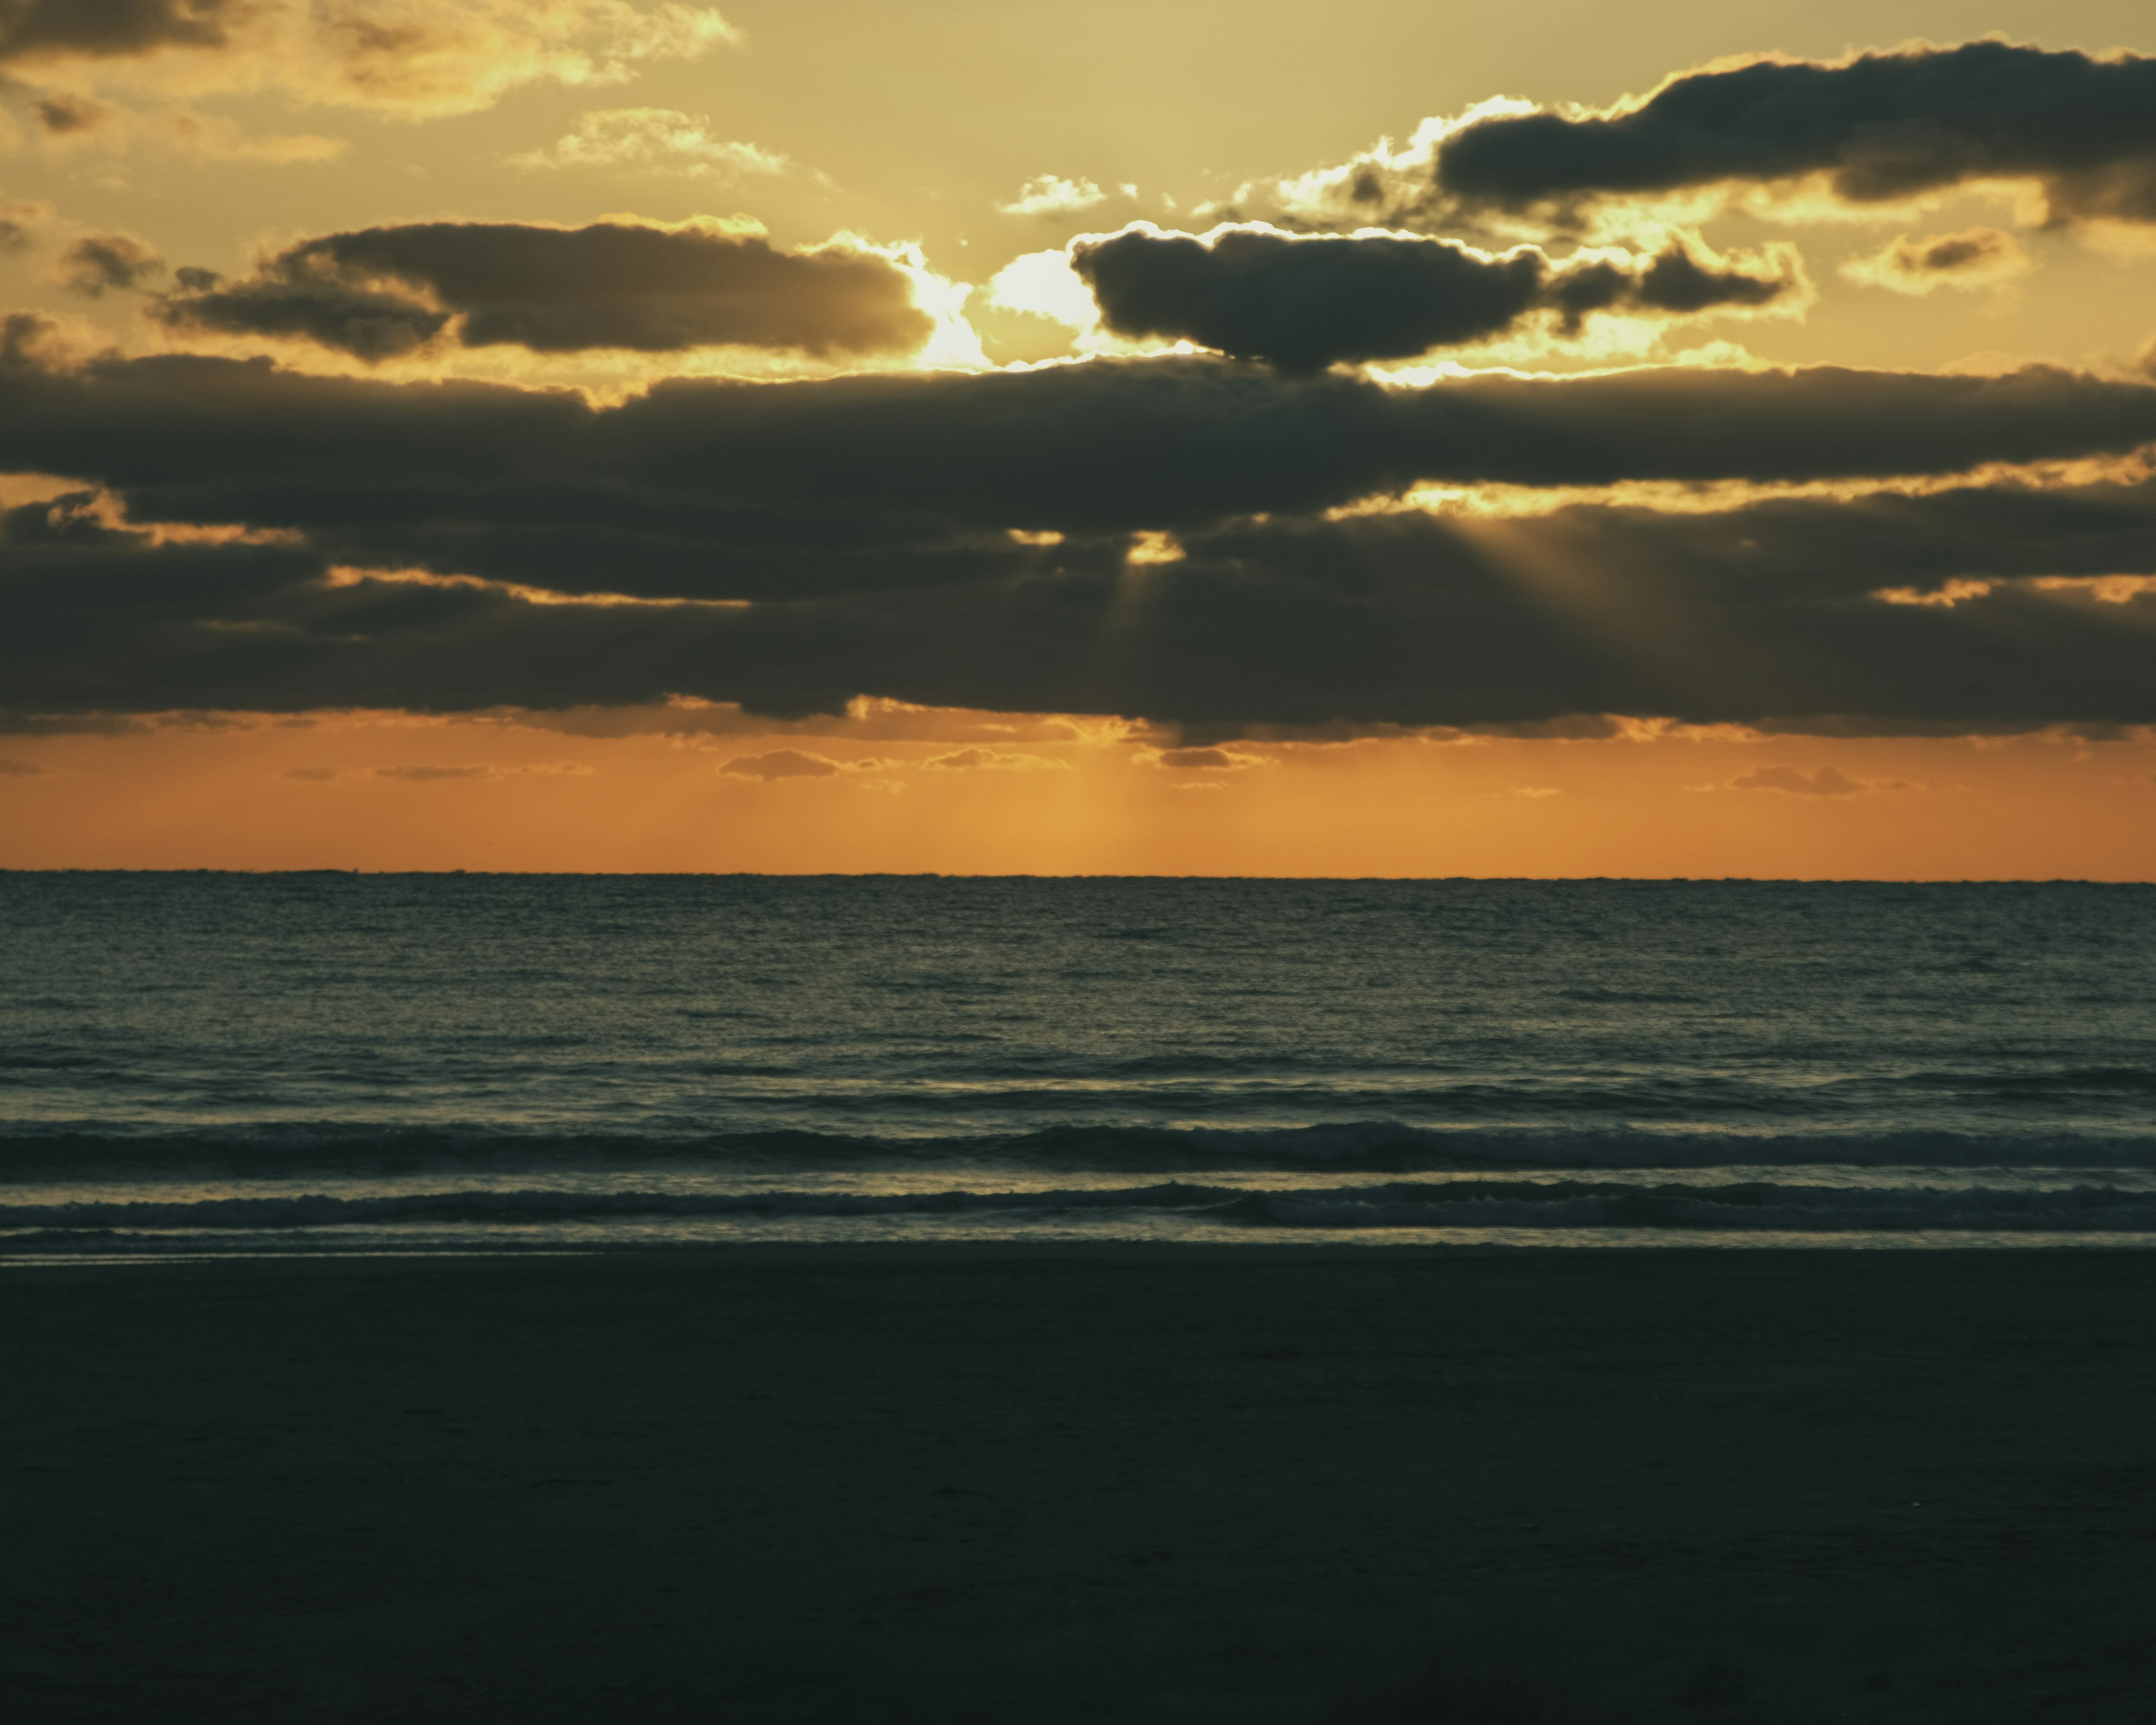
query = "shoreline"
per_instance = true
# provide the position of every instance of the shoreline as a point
(1010, 1482)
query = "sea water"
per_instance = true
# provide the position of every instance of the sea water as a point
(312, 1062)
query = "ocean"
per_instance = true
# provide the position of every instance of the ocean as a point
(214, 1064)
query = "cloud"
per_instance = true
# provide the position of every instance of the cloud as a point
(297, 305)
(1859, 135)
(981, 760)
(1760, 616)
(63, 116)
(1793, 781)
(709, 490)
(1200, 760)
(381, 292)
(783, 763)
(486, 769)
(1047, 195)
(100, 263)
(430, 774)
(464, 547)
(18, 769)
(1880, 127)
(1305, 301)
(1974, 258)
(32, 31)
(653, 141)
(398, 56)
(21, 222)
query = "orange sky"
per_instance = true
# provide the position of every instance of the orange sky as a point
(279, 195)
(509, 796)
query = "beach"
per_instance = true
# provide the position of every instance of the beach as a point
(1095, 1482)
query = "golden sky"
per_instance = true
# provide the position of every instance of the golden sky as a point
(1379, 439)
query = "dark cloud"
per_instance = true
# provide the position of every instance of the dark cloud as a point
(710, 490)
(1772, 614)
(868, 523)
(1881, 127)
(38, 29)
(102, 263)
(1954, 252)
(363, 321)
(1200, 760)
(19, 223)
(64, 114)
(1305, 303)
(382, 291)
(18, 769)
(1308, 301)
(1975, 258)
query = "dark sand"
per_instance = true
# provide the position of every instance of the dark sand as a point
(1006, 1484)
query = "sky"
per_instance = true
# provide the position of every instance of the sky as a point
(1384, 439)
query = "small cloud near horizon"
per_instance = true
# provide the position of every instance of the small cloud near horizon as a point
(1826, 781)
(1199, 760)
(425, 774)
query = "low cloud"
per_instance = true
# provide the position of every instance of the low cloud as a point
(18, 769)
(1403, 620)
(1305, 301)
(1975, 258)
(379, 293)
(701, 489)
(652, 141)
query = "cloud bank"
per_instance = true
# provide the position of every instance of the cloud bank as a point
(790, 546)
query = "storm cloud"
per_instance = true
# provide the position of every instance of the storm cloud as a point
(1880, 127)
(1308, 301)
(379, 292)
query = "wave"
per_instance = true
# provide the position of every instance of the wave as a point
(1778, 1206)
(295, 1148)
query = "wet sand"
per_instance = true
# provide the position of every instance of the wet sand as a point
(919, 1484)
